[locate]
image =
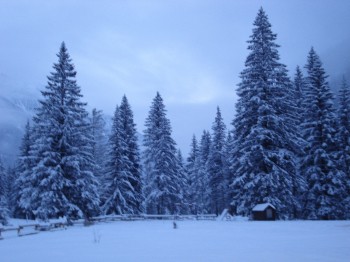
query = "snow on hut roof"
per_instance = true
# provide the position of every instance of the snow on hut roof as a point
(262, 207)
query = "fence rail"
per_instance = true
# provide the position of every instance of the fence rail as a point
(30, 229)
(151, 217)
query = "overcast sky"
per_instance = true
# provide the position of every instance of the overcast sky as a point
(190, 51)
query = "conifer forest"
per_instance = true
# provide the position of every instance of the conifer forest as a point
(288, 145)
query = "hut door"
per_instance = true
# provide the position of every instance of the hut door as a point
(269, 213)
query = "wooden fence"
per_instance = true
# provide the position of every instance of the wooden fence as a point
(152, 217)
(29, 229)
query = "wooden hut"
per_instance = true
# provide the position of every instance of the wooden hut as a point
(265, 211)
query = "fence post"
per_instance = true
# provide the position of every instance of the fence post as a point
(19, 230)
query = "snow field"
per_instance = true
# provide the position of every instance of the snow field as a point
(192, 241)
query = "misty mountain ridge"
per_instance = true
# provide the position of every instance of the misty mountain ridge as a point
(17, 107)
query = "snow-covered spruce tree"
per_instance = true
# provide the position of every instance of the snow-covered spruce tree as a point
(263, 160)
(320, 164)
(201, 185)
(344, 139)
(62, 181)
(192, 175)
(185, 206)
(162, 180)
(11, 189)
(4, 209)
(122, 182)
(298, 181)
(22, 186)
(115, 179)
(133, 154)
(99, 146)
(216, 165)
(228, 151)
(299, 86)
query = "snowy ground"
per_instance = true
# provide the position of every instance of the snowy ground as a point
(192, 241)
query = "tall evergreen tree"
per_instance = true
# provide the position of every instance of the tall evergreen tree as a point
(216, 165)
(123, 189)
(4, 208)
(23, 183)
(115, 182)
(133, 154)
(99, 145)
(320, 165)
(299, 86)
(344, 138)
(11, 190)
(263, 161)
(201, 183)
(62, 180)
(228, 151)
(192, 174)
(298, 181)
(185, 186)
(162, 181)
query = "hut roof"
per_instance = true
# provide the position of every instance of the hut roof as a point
(262, 207)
